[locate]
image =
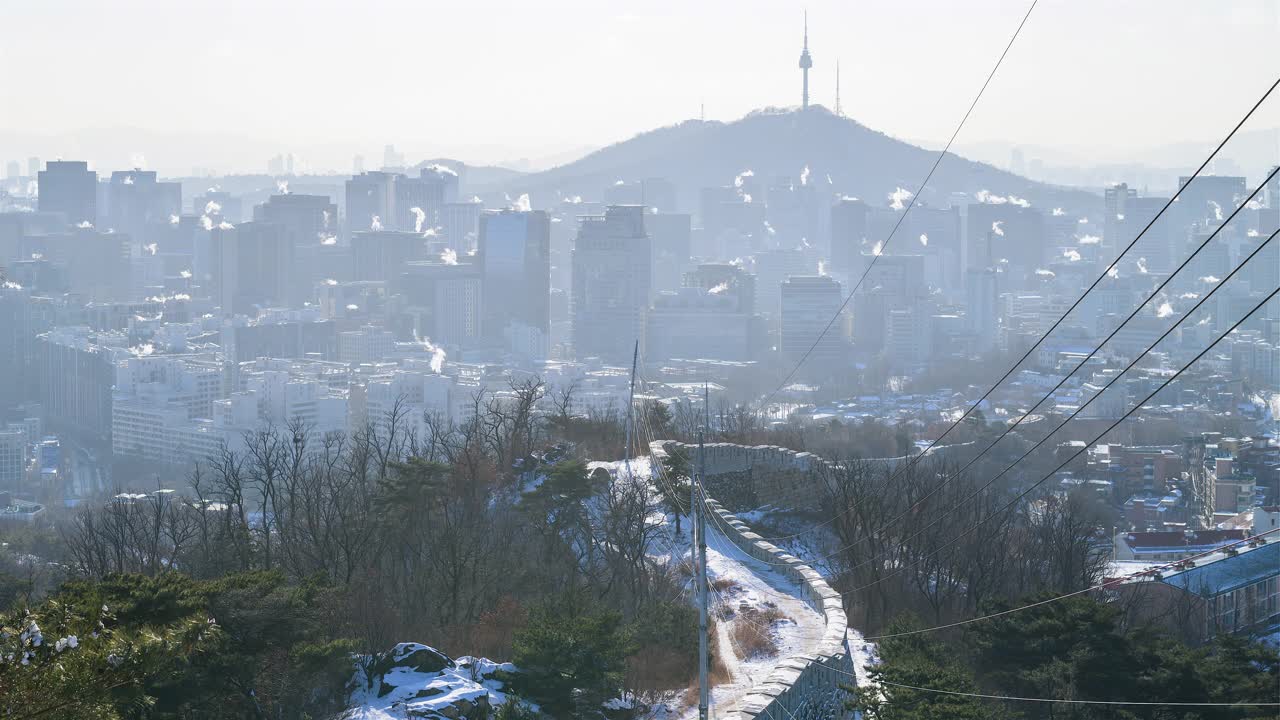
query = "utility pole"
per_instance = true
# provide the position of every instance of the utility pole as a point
(700, 534)
(631, 408)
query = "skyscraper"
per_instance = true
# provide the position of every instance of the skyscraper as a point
(69, 186)
(381, 255)
(442, 301)
(309, 227)
(514, 255)
(460, 221)
(252, 265)
(1116, 200)
(808, 302)
(419, 200)
(848, 233)
(611, 283)
(371, 201)
(137, 199)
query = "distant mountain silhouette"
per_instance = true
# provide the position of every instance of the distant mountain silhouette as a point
(775, 143)
(471, 175)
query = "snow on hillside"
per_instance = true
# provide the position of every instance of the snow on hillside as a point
(417, 681)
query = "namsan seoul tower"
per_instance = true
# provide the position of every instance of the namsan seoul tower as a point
(806, 62)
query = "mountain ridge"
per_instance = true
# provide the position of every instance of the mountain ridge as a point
(777, 143)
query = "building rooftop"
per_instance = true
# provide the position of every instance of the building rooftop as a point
(1227, 571)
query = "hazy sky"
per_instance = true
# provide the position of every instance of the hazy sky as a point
(530, 78)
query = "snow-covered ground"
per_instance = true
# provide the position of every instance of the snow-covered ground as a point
(1121, 568)
(416, 681)
(746, 584)
(755, 585)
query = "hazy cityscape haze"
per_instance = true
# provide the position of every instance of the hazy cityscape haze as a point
(652, 361)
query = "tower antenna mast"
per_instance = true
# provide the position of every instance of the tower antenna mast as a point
(839, 111)
(806, 62)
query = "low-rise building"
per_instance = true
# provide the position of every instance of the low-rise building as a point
(1169, 546)
(1233, 591)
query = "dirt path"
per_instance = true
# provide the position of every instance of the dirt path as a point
(754, 585)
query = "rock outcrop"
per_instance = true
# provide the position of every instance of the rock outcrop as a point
(413, 680)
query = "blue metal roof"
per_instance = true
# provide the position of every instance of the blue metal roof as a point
(1229, 573)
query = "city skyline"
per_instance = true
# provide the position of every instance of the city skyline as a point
(580, 361)
(314, 91)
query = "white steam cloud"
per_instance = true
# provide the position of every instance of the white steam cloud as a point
(419, 217)
(897, 197)
(449, 256)
(985, 196)
(437, 353)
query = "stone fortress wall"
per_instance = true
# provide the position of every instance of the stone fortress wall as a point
(805, 686)
(747, 477)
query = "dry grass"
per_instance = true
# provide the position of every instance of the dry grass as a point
(753, 632)
(717, 673)
(721, 585)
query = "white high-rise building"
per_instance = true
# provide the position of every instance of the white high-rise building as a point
(808, 303)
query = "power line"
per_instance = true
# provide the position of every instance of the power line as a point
(757, 627)
(1116, 378)
(1077, 453)
(916, 458)
(1111, 583)
(1068, 419)
(1100, 586)
(911, 203)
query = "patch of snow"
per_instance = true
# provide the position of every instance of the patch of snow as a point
(410, 688)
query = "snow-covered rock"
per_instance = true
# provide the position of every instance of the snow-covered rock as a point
(413, 680)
